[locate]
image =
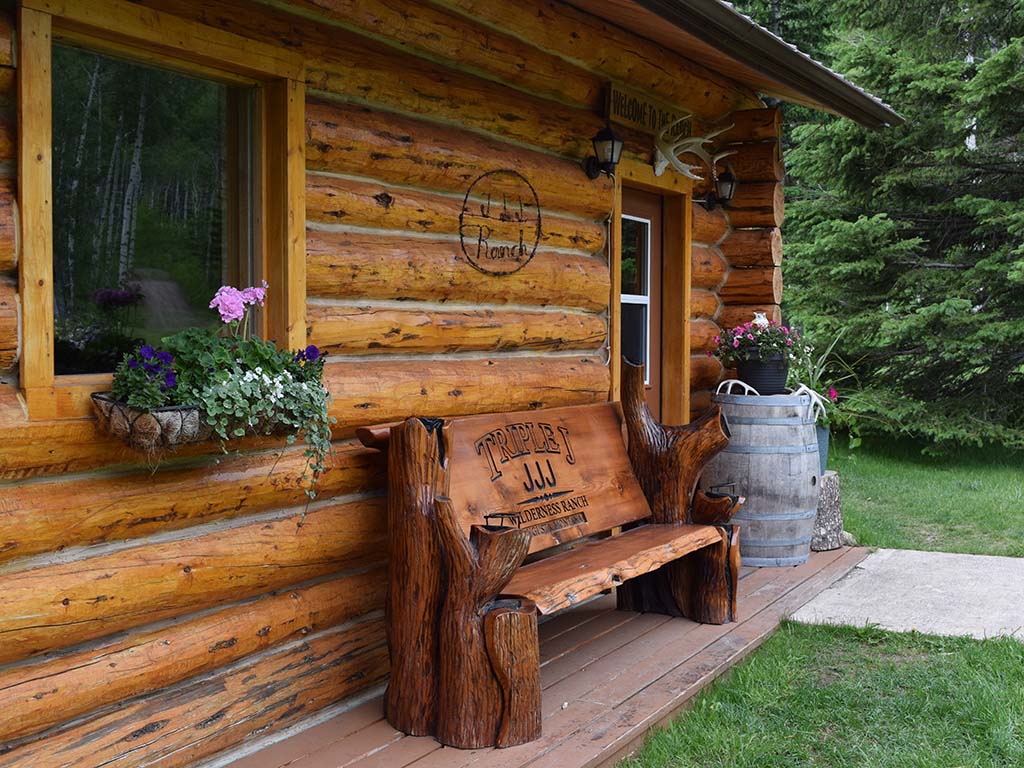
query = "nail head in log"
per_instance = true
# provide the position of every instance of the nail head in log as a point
(753, 247)
(757, 204)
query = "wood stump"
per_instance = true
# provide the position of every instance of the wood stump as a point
(828, 523)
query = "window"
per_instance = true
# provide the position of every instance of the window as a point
(152, 184)
(205, 91)
(636, 295)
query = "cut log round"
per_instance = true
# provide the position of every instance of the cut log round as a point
(702, 336)
(752, 285)
(705, 372)
(703, 303)
(756, 161)
(753, 247)
(737, 314)
(8, 323)
(757, 204)
(752, 125)
(708, 268)
(708, 227)
(9, 232)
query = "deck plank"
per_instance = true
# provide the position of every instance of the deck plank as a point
(607, 676)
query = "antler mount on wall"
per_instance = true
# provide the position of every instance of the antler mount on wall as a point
(667, 151)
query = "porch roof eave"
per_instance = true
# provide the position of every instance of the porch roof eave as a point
(716, 35)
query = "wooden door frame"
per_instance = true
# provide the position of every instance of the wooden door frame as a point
(676, 192)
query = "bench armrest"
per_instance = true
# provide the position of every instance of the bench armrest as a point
(668, 460)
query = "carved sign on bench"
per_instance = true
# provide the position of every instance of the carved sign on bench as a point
(470, 497)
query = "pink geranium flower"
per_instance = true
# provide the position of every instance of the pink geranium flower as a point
(230, 303)
(252, 295)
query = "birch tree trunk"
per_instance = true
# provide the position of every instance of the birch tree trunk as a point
(131, 194)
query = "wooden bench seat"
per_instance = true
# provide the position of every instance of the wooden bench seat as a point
(569, 577)
(471, 498)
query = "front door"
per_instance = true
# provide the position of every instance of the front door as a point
(641, 287)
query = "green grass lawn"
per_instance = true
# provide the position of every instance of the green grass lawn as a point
(895, 497)
(838, 697)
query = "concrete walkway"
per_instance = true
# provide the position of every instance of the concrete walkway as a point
(931, 592)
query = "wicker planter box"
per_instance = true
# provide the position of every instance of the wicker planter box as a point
(154, 430)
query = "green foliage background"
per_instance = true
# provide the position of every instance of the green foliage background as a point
(913, 237)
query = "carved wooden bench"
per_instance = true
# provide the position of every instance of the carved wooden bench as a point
(470, 498)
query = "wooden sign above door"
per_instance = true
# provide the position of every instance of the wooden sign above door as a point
(638, 110)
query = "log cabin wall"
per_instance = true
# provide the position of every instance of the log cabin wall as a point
(160, 617)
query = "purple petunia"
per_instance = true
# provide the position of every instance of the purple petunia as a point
(312, 353)
(147, 352)
(165, 357)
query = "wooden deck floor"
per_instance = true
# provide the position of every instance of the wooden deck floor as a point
(608, 678)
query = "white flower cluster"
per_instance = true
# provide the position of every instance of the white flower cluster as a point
(273, 387)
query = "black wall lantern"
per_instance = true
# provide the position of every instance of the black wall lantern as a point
(725, 188)
(607, 151)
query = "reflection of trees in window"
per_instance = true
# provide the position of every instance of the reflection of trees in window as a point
(140, 189)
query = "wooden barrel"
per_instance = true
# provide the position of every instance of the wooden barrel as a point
(772, 460)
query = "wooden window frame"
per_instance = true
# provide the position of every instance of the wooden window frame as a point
(158, 38)
(677, 218)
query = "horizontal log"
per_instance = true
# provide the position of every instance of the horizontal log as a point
(374, 393)
(147, 661)
(708, 226)
(705, 372)
(753, 247)
(332, 200)
(56, 606)
(700, 403)
(178, 727)
(349, 139)
(346, 329)
(756, 161)
(757, 204)
(9, 233)
(8, 135)
(752, 285)
(464, 43)
(703, 303)
(8, 323)
(612, 51)
(362, 266)
(375, 71)
(752, 125)
(708, 268)
(733, 315)
(702, 336)
(74, 511)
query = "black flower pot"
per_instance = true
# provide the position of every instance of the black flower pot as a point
(766, 375)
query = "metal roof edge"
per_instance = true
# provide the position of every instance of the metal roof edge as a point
(719, 24)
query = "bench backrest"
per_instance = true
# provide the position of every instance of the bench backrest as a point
(560, 473)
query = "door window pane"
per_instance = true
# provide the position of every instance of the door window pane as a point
(150, 181)
(636, 239)
(634, 332)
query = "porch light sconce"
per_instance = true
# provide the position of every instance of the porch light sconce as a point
(722, 194)
(607, 151)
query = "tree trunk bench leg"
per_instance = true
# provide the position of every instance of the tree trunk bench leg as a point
(514, 649)
(704, 582)
(471, 701)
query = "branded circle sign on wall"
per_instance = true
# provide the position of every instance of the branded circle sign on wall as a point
(499, 226)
